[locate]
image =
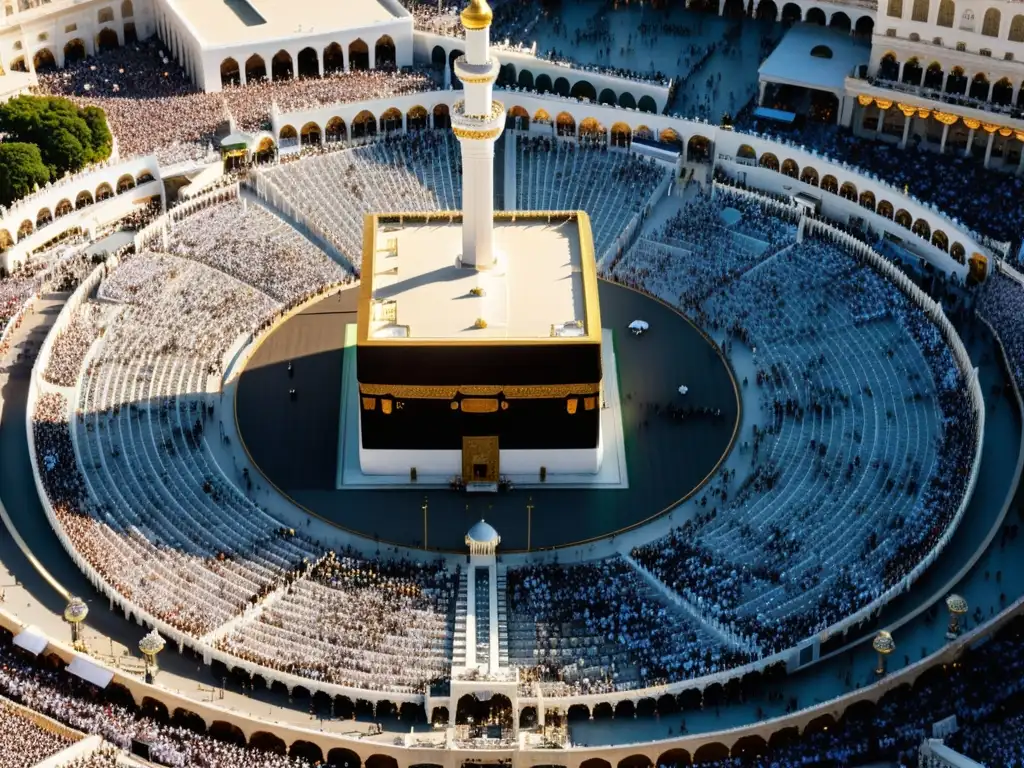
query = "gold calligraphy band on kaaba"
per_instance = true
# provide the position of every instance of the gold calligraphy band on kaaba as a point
(510, 392)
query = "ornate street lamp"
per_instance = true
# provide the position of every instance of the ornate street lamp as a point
(957, 607)
(74, 614)
(150, 646)
(883, 645)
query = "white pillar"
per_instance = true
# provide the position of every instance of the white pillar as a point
(945, 135)
(478, 203)
(881, 121)
(761, 86)
(988, 147)
(970, 143)
(906, 132)
(1020, 164)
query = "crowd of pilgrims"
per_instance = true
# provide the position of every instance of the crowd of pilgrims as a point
(24, 742)
(153, 107)
(1001, 302)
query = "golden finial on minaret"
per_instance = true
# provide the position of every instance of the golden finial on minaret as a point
(477, 15)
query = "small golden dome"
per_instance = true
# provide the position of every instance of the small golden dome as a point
(477, 15)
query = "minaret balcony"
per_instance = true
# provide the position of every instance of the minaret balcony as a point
(477, 126)
(474, 74)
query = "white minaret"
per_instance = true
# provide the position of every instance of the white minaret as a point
(477, 121)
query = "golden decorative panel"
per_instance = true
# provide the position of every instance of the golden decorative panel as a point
(883, 103)
(480, 405)
(513, 392)
(570, 404)
(971, 123)
(864, 100)
(480, 459)
(385, 405)
(946, 118)
(369, 403)
(589, 403)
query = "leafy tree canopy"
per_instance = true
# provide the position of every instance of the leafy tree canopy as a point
(67, 136)
(21, 169)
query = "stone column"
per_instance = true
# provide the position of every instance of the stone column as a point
(761, 86)
(906, 132)
(988, 147)
(1020, 165)
(970, 142)
(945, 135)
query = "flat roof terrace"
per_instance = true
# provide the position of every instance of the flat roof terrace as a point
(235, 22)
(544, 286)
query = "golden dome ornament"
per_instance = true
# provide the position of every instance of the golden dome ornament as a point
(477, 15)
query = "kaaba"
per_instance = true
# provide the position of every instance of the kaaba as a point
(472, 372)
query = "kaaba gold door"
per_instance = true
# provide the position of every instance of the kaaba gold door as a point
(480, 459)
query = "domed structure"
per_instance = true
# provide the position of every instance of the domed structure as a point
(482, 539)
(477, 15)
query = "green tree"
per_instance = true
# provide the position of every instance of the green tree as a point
(21, 168)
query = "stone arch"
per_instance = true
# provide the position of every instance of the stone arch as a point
(621, 135)
(229, 73)
(309, 136)
(581, 89)
(643, 132)
(525, 79)
(841, 21)
(919, 11)
(922, 229)
(625, 708)
(590, 127)
(749, 747)
(264, 151)
(865, 26)
(104, 15)
(543, 83)
(698, 149)
(440, 716)
(829, 183)
(714, 751)
(255, 69)
(675, 758)
(63, 208)
(940, 240)
(155, 710)
(125, 183)
(819, 724)
(885, 209)
(791, 12)
(281, 67)
(44, 217)
(527, 717)
(784, 737)
(933, 75)
(364, 124)
(889, 67)
(43, 60)
(647, 104)
(607, 96)
(912, 71)
(381, 761)
(603, 711)
(18, 64)
(595, 762)
(790, 168)
(343, 758)
(83, 200)
(143, 177)
(746, 152)
(358, 54)
(768, 10)
(541, 116)
(867, 200)
(442, 116)
(809, 176)
(848, 191)
(990, 22)
(74, 50)
(452, 56)
(390, 120)
(565, 124)
(288, 136)
(626, 100)
(1017, 29)
(416, 119)
(308, 63)
(438, 58)
(815, 16)
(189, 720)
(561, 86)
(635, 761)
(903, 218)
(959, 253)
(860, 711)
(25, 229)
(507, 76)
(669, 136)
(104, 192)
(229, 732)
(947, 13)
(578, 712)
(333, 59)
(119, 694)
(1002, 91)
(268, 742)
(384, 53)
(518, 117)
(771, 162)
(106, 40)
(127, 9)
(306, 750)
(335, 130)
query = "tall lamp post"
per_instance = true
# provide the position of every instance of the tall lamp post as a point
(74, 614)
(957, 607)
(883, 645)
(150, 646)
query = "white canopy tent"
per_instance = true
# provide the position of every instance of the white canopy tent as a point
(90, 672)
(32, 640)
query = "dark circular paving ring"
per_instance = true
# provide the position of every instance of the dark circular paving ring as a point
(294, 443)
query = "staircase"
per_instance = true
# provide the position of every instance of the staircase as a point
(483, 614)
(459, 636)
(502, 618)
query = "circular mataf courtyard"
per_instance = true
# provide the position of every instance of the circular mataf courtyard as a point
(295, 441)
